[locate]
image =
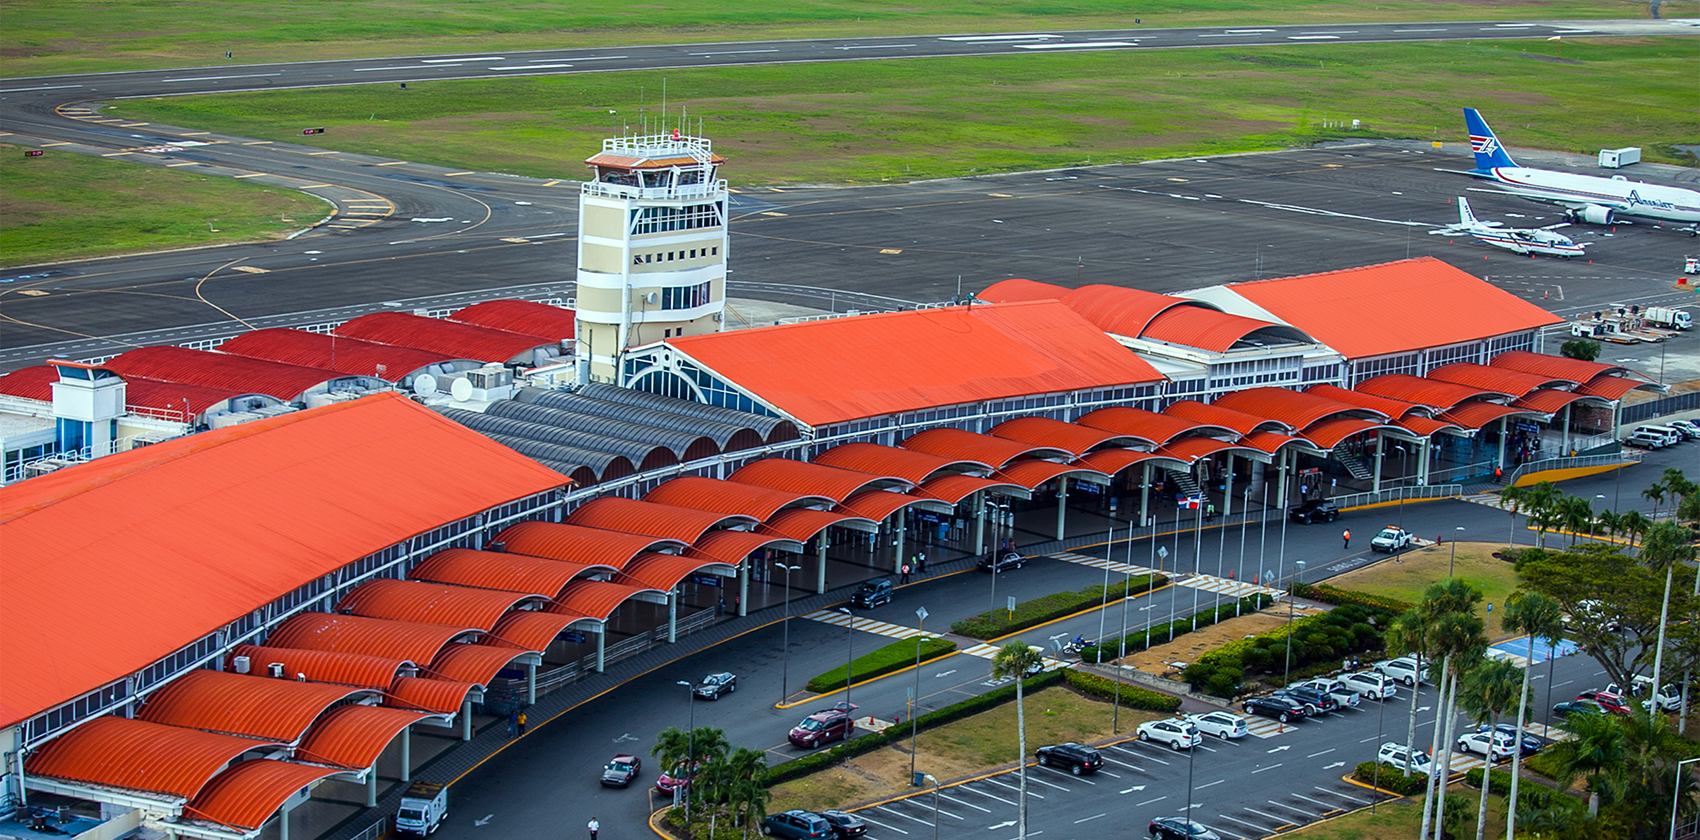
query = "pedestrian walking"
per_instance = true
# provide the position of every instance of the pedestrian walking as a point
(905, 573)
(720, 608)
(1346, 537)
(513, 723)
(521, 721)
(920, 562)
(594, 827)
(1497, 475)
(1210, 512)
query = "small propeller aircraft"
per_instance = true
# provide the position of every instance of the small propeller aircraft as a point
(1531, 241)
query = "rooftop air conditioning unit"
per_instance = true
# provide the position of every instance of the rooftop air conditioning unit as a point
(241, 663)
(275, 670)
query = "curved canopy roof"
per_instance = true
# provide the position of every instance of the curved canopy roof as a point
(1145, 425)
(30, 383)
(726, 436)
(1386, 406)
(1017, 290)
(138, 755)
(603, 466)
(1548, 400)
(1475, 415)
(1297, 409)
(955, 487)
(1574, 371)
(432, 603)
(1327, 434)
(963, 445)
(1113, 461)
(1121, 310)
(1216, 331)
(1514, 383)
(451, 338)
(354, 736)
(506, 571)
(521, 316)
(879, 504)
(1430, 392)
(1425, 426)
(1224, 417)
(565, 445)
(578, 544)
(474, 663)
(684, 446)
(224, 371)
(664, 571)
(732, 547)
(911, 465)
(442, 697)
(249, 793)
(657, 520)
(356, 669)
(802, 477)
(1073, 438)
(530, 629)
(412, 641)
(801, 524)
(332, 352)
(773, 429)
(598, 599)
(733, 497)
(257, 707)
(1189, 450)
(1608, 387)
(1271, 442)
(1033, 472)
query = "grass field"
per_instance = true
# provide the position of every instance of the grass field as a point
(1415, 570)
(1401, 819)
(82, 36)
(65, 205)
(899, 120)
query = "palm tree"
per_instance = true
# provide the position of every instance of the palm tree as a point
(1575, 514)
(1460, 637)
(1540, 500)
(1634, 524)
(1409, 634)
(1513, 500)
(672, 748)
(1596, 753)
(1667, 545)
(1608, 523)
(1533, 614)
(1678, 486)
(1656, 493)
(1489, 689)
(746, 790)
(1016, 659)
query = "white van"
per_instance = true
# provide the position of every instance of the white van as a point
(1671, 435)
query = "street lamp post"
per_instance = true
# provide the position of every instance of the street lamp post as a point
(929, 777)
(1288, 674)
(785, 654)
(1245, 511)
(915, 710)
(1454, 551)
(690, 742)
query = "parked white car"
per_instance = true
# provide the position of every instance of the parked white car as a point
(1178, 733)
(1335, 689)
(1403, 669)
(1223, 725)
(1502, 745)
(1669, 698)
(1371, 684)
(1404, 759)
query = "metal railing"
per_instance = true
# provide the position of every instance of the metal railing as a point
(1546, 464)
(374, 831)
(1408, 494)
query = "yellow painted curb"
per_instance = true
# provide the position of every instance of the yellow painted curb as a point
(904, 670)
(1567, 474)
(652, 817)
(1406, 501)
(1351, 781)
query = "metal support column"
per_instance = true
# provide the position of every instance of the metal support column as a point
(820, 558)
(1228, 486)
(1281, 495)
(1564, 445)
(531, 685)
(372, 786)
(466, 720)
(1504, 429)
(602, 647)
(407, 755)
(743, 590)
(672, 615)
(979, 522)
(1423, 459)
(1144, 495)
(1062, 504)
(897, 543)
(1375, 477)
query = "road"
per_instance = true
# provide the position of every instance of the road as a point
(549, 779)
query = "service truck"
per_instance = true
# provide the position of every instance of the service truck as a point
(1676, 319)
(423, 808)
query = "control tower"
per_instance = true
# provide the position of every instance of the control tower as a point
(651, 248)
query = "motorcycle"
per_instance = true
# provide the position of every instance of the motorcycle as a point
(1079, 644)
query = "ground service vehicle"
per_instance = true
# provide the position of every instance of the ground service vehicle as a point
(1392, 539)
(1315, 510)
(1178, 733)
(1078, 759)
(797, 825)
(621, 771)
(1223, 725)
(1676, 319)
(873, 593)
(1180, 828)
(422, 808)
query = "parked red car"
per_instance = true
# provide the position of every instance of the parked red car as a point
(834, 724)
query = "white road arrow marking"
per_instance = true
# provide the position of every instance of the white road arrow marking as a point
(1334, 765)
(487, 818)
(944, 673)
(1280, 748)
(624, 738)
(1424, 708)
(1000, 825)
(1134, 788)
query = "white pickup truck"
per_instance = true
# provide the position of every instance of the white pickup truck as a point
(423, 808)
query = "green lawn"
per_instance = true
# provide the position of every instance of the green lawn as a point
(893, 657)
(63, 205)
(1402, 819)
(1415, 570)
(82, 36)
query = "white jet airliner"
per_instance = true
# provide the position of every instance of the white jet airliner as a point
(1588, 198)
(1541, 240)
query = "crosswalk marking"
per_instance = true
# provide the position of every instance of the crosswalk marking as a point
(1492, 500)
(1224, 586)
(1101, 563)
(868, 625)
(985, 651)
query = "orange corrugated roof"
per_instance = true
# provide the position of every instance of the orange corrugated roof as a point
(225, 371)
(1386, 405)
(441, 697)
(36, 383)
(325, 666)
(879, 504)
(477, 664)
(258, 707)
(835, 483)
(248, 794)
(963, 445)
(802, 524)
(1224, 417)
(1145, 425)
(595, 598)
(578, 544)
(1475, 415)
(664, 571)
(1328, 434)
(728, 496)
(1608, 387)
(1072, 438)
(1576, 371)
(412, 641)
(1297, 409)
(955, 487)
(1016, 290)
(1430, 392)
(1113, 461)
(1421, 425)
(910, 465)
(331, 352)
(529, 629)
(1205, 328)
(732, 547)
(207, 528)
(451, 338)
(139, 755)
(1547, 400)
(508, 571)
(971, 353)
(1034, 472)
(1269, 442)
(1121, 310)
(521, 316)
(1189, 450)
(657, 520)
(354, 736)
(1506, 381)
(1348, 309)
(30, 383)
(431, 603)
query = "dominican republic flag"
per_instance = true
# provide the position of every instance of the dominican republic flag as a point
(1192, 502)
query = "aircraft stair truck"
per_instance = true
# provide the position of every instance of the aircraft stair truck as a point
(1675, 319)
(423, 808)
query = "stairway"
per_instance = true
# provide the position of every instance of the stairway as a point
(1183, 480)
(1354, 465)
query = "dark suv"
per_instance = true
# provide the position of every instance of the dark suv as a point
(873, 593)
(1315, 510)
(1078, 759)
(797, 825)
(834, 724)
(1315, 702)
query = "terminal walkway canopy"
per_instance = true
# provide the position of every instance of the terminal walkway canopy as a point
(1220, 414)
(910, 465)
(731, 547)
(955, 487)
(409, 640)
(730, 497)
(599, 599)
(1575, 371)
(579, 544)
(1072, 438)
(353, 737)
(1386, 406)
(433, 603)
(687, 525)
(1434, 393)
(1156, 429)
(802, 524)
(355, 669)
(965, 446)
(1510, 382)
(235, 704)
(248, 794)
(475, 663)
(803, 477)
(772, 429)
(513, 571)
(438, 696)
(1295, 409)
(139, 755)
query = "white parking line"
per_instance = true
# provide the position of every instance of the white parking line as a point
(864, 815)
(987, 795)
(1036, 780)
(1324, 752)
(1270, 767)
(1089, 819)
(1014, 788)
(903, 815)
(1140, 754)
(1319, 803)
(1308, 815)
(1111, 775)
(1212, 784)
(1341, 795)
(1124, 764)
(1243, 822)
(1149, 801)
(1278, 820)
(969, 804)
(1055, 770)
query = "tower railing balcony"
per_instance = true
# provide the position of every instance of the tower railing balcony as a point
(606, 189)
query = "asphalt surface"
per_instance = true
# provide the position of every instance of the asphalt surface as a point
(546, 785)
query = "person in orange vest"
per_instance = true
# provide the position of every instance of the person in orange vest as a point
(1497, 475)
(1347, 537)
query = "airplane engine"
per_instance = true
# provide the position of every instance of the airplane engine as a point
(1594, 214)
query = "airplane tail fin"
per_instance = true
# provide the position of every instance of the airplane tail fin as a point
(1489, 154)
(1465, 217)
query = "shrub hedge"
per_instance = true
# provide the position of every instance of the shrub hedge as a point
(1544, 763)
(1529, 794)
(1111, 648)
(874, 740)
(893, 657)
(990, 625)
(1347, 597)
(1392, 778)
(1132, 696)
(1315, 641)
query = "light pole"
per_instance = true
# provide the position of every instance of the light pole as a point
(690, 743)
(914, 711)
(1288, 674)
(929, 777)
(1127, 583)
(785, 654)
(1454, 551)
(1676, 792)
(850, 658)
(1245, 511)
(1104, 602)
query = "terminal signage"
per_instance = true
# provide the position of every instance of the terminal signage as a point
(705, 580)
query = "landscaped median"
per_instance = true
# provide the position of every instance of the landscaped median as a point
(1112, 648)
(996, 623)
(893, 657)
